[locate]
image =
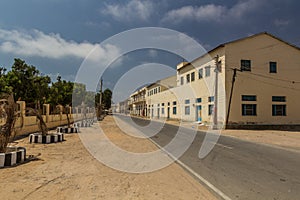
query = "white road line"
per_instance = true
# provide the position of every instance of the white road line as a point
(224, 146)
(203, 180)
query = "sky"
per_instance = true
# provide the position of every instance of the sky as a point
(57, 36)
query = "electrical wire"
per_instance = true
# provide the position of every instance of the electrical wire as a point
(269, 83)
(278, 79)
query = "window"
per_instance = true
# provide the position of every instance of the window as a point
(273, 67)
(192, 76)
(207, 71)
(210, 109)
(246, 65)
(278, 110)
(198, 100)
(168, 103)
(174, 110)
(249, 109)
(174, 103)
(278, 99)
(162, 111)
(187, 110)
(188, 78)
(248, 98)
(219, 66)
(158, 89)
(181, 80)
(211, 99)
(200, 73)
(162, 104)
(187, 101)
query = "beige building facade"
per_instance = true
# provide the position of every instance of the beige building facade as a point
(266, 71)
(137, 102)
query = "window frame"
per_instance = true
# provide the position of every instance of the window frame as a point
(174, 110)
(207, 71)
(187, 110)
(210, 109)
(278, 98)
(188, 78)
(245, 110)
(181, 80)
(283, 111)
(211, 98)
(192, 76)
(244, 67)
(272, 64)
(200, 73)
(249, 98)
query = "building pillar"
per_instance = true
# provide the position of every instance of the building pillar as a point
(46, 111)
(22, 108)
(60, 107)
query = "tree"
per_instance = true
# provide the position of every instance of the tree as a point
(3, 83)
(106, 98)
(7, 109)
(61, 92)
(27, 83)
(90, 99)
(79, 94)
(42, 125)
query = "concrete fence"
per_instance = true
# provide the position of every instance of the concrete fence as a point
(29, 124)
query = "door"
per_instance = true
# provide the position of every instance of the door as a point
(157, 112)
(198, 113)
(168, 114)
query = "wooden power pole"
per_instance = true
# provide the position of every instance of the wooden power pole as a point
(231, 92)
(217, 70)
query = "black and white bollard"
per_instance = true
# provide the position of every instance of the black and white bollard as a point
(15, 156)
(46, 139)
(67, 130)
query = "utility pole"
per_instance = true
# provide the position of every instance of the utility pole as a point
(217, 70)
(231, 92)
(100, 99)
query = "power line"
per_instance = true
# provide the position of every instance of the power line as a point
(269, 83)
(278, 79)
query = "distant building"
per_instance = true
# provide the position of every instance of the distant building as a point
(265, 92)
(137, 102)
(156, 94)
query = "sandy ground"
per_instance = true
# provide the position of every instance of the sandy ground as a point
(284, 139)
(67, 171)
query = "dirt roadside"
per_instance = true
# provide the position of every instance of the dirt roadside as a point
(67, 171)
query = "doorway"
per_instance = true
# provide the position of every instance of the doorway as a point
(199, 113)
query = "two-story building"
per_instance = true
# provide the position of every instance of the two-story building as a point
(257, 79)
(137, 102)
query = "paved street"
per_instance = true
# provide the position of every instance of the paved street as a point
(240, 169)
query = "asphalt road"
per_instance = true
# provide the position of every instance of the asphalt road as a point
(240, 169)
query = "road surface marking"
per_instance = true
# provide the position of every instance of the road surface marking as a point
(224, 146)
(203, 180)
